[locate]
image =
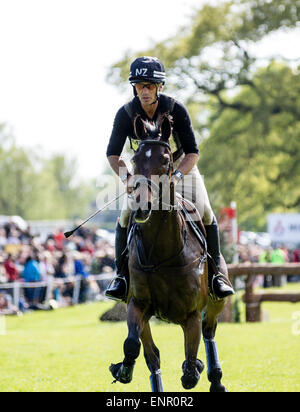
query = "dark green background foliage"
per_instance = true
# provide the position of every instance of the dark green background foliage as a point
(245, 110)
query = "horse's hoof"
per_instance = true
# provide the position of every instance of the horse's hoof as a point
(199, 366)
(121, 373)
(215, 377)
(191, 377)
(189, 382)
(217, 387)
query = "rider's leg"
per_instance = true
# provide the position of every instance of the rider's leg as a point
(118, 289)
(221, 286)
(193, 189)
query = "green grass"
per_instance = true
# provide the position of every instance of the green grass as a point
(70, 350)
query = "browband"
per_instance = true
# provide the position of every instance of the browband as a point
(154, 141)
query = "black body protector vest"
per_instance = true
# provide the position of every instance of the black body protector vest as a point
(166, 106)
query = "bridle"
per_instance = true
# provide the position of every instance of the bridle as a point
(135, 232)
(161, 143)
(144, 259)
(151, 184)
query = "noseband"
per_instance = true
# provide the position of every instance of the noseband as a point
(135, 231)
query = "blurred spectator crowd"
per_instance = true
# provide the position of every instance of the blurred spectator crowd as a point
(275, 254)
(28, 259)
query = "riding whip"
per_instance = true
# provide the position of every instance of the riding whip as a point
(68, 234)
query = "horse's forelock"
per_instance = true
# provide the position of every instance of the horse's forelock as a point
(152, 128)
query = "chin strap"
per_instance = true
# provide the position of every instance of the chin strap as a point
(157, 94)
(154, 101)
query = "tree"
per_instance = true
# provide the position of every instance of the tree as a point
(254, 157)
(17, 175)
(36, 187)
(245, 111)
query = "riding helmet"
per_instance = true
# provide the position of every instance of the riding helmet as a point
(147, 69)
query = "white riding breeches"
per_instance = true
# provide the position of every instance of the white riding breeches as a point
(191, 187)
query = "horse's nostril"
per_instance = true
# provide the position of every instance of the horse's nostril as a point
(142, 215)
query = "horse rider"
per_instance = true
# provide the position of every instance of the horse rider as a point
(147, 76)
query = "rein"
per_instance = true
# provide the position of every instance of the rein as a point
(136, 230)
(136, 233)
(158, 189)
(143, 260)
(141, 255)
(151, 184)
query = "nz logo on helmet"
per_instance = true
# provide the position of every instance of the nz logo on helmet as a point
(141, 72)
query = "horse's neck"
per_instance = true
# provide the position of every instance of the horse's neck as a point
(163, 233)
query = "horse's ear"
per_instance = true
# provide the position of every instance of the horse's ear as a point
(166, 128)
(139, 127)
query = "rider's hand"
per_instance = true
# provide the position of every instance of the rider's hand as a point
(174, 180)
(129, 183)
(176, 177)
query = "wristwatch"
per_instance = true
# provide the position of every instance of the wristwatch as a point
(178, 174)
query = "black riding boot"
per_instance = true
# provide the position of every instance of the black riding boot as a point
(219, 285)
(117, 290)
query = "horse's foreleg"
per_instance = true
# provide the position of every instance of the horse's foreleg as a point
(123, 371)
(151, 354)
(192, 367)
(209, 325)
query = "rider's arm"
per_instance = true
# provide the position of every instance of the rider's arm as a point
(187, 163)
(183, 126)
(118, 165)
(122, 128)
(120, 168)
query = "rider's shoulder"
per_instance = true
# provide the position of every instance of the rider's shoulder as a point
(171, 104)
(167, 101)
(123, 111)
(130, 108)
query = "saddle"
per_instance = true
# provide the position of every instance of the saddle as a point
(195, 223)
(193, 219)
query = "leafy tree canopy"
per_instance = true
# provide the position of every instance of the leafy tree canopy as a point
(36, 187)
(246, 111)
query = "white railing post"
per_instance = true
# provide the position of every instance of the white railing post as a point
(48, 290)
(16, 294)
(76, 289)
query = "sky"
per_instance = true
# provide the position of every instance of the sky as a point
(54, 56)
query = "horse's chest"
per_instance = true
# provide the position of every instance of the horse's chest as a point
(171, 295)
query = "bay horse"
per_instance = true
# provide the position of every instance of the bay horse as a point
(168, 269)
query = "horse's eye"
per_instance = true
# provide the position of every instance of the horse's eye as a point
(166, 160)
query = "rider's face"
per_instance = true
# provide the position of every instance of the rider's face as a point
(146, 92)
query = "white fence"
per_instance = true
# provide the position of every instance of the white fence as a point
(51, 284)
